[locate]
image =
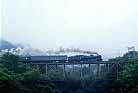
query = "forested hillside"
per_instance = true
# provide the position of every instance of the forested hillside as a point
(18, 77)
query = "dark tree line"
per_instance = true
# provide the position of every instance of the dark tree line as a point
(128, 76)
(17, 77)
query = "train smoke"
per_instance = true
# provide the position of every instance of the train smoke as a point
(62, 50)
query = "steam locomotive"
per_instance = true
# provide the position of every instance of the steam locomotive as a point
(62, 58)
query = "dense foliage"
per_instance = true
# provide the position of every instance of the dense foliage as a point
(18, 77)
(17, 70)
(128, 76)
(22, 77)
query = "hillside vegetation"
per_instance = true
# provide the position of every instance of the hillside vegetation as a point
(18, 77)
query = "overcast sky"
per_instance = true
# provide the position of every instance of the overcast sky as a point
(105, 26)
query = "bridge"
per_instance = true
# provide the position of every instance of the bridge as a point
(109, 66)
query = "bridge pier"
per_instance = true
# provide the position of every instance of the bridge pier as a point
(98, 71)
(56, 68)
(117, 69)
(37, 67)
(89, 68)
(108, 68)
(73, 69)
(46, 69)
(81, 76)
(64, 73)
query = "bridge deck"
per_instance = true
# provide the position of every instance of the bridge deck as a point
(75, 63)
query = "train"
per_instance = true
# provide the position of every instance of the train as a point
(62, 58)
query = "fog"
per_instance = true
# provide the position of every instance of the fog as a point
(104, 26)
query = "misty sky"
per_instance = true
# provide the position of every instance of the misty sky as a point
(105, 26)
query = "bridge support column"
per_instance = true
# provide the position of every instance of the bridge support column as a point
(46, 70)
(81, 76)
(37, 67)
(56, 67)
(117, 69)
(73, 69)
(90, 68)
(64, 73)
(108, 68)
(98, 71)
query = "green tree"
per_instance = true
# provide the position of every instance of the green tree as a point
(10, 61)
(18, 74)
(18, 70)
(127, 76)
(129, 73)
(4, 74)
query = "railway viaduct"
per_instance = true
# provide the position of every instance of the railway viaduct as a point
(107, 64)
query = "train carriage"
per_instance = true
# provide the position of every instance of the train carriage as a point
(46, 58)
(62, 58)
